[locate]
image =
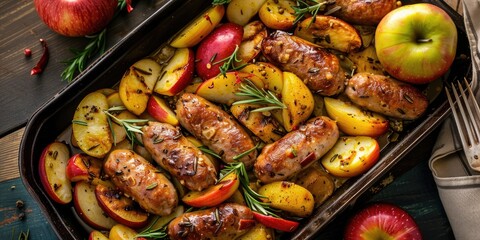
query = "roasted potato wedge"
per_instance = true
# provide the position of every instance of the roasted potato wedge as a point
(278, 14)
(253, 35)
(366, 61)
(241, 11)
(330, 32)
(299, 103)
(90, 125)
(316, 180)
(263, 126)
(289, 197)
(258, 232)
(271, 75)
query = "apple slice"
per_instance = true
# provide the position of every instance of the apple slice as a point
(90, 125)
(253, 35)
(97, 235)
(299, 103)
(215, 194)
(120, 208)
(81, 167)
(258, 232)
(86, 206)
(221, 89)
(52, 171)
(271, 75)
(199, 28)
(177, 74)
(158, 108)
(382, 221)
(122, 232)
(276, 223)
(118, 131)
(278, 14)
(351, 156)
(137, 84)
(114, 100)
(241, 11)
(354, 121)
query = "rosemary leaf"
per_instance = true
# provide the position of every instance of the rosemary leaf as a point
(78, 122)
(220, 2)
(229, 63)
(258, 96)
(243, 154)
(207, 150)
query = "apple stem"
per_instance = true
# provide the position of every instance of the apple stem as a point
(424, 40)
(43, 60)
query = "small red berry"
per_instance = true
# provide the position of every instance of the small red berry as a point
(27, 52)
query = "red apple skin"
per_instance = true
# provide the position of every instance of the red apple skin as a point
(382, 221)
(178, 73)
(81, 167)
(160, 111)
(402, 54)
(215, 194)
(75, 18)
(276, 223)
(52, 171)
(219, 44)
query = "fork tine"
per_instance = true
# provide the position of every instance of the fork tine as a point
(456, 114)
(474, 112)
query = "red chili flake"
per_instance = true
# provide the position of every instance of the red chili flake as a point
(129, 6)
(43, 60)
(27, 52)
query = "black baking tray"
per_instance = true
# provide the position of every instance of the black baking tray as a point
(53, 117)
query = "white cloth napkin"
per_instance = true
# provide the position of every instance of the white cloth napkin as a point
(458, 191)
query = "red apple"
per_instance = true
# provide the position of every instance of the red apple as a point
(276, 223)
(214, 48)
(416, 43)
(177, 74)
(81, 167)
(74, 18)
(382, 221)
(87, 207)
(120, 208)
(52, 170)
(97, 235)
(158, 108)
(215, 194)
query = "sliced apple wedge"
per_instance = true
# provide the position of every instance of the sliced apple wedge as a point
(52, 171)
(222, 89)
(120, 208)
(241, 11)
(199, 28)
(81, 167)
(177, 74)
(253, 35)
(215, 194)
(276, 223)
(114, 100)
(351, 156)
(158, 108)
(97, 235)
(137, 84)
(299, 103)
(118, 131)
(122, 232)
(271, 75)
(90, 125)
(157, 222)
(86, 206)
(354, 121)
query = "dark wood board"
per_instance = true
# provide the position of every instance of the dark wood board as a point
(20, 27)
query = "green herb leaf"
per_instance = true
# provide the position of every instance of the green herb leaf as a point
(258, 96)
(128, 124)
(220, 2)
(311, 7)
(78, 122)
(229, 63)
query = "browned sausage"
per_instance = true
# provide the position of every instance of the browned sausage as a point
(317, 67)
(364, 12)
(227, 221)
(176, 154)
(386, 95)
(139, 179)
(215, 128)
(296, 150)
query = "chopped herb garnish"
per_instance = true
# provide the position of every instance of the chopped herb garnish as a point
(128, 124)
(229, 63)
(258, 96)
(152, 186)
(78, 122)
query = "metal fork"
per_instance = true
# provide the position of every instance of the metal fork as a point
(467, 119)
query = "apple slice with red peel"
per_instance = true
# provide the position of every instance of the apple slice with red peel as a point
(122, 232)
(158, 108)
(87, 207)
(81, 167)
(120, 208)
(382, 221)
(177, 74)
(276, 223)
(271, 75)
(215, 194)
(351, 156)
(52, 170)
(97, 235)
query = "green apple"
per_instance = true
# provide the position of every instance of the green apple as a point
(416, 43)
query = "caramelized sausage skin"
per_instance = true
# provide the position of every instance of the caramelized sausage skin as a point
(364, 12)
(215, 128)
(138, 178)
(296, 150)
(176, 154)
(318, 68)
(224, 222)
(387, 96)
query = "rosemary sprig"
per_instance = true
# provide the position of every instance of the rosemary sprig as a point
(243, 154)
(312, 7)
(128, 124)
(229, 62)
(220, 2)
(252, 198)
(207, 150)
(97, 44)
(258, 96)
(153, 234)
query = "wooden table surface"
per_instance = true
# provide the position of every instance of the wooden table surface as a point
(21, 94)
